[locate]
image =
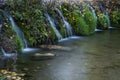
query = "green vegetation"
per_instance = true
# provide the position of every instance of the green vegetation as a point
(115, 19)
(19, 43)
(81, 28)
(102, 21)
(30, 17)
(83, 24)
(58, 21)
(8, 36)
(33, 25)
(90, 20)
(33, 22)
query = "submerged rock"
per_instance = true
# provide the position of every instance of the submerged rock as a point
(46, 54)
(56, 47)
(43, 56)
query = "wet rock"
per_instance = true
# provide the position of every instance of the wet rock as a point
(56, 47)
(44, 56)
(8, 44)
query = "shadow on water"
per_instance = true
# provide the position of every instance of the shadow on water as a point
(96, 57)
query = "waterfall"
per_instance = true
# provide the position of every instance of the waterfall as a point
(1, 23)
(59, 36)
(107, 15)
(8, 55)
(18, 31)
(67, 25)
(94, 14)
(91, 8)
(12, 56)
(20, 34)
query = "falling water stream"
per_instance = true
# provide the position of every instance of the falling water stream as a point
(18, 31)
(67, 25)
(107, 15)
(94, 13)
(95, 57)
(59, 36)
(68, 28)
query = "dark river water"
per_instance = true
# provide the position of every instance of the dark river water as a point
(95, 57)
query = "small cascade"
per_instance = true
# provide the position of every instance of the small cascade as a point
(59, 36)
(92, 9)
(94, 13)
(70, 38)
(1, 23)
(9, 55)
(107, 15)
(67, 25)
(19, 33)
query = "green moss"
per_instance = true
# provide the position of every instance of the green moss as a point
(58, 22)
(90, 20)
(115, 18)
(79, 25)
(102, 21)
(30, 18)
(83, 24)
(33, 25)
(8, 37)
(52, 34)
(63, 31)
(19, 45)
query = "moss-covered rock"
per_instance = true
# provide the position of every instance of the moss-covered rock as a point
(30, 18)
(8, 39)
(83, 24)
(79, 25)
(58, 21)
(90, 20)
(102, 22)
(33, 23)
(115, 19)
